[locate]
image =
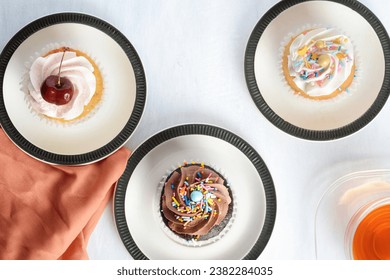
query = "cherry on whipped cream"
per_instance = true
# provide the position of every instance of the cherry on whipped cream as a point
(56, 89)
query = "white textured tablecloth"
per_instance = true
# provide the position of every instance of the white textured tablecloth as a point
(193, 53)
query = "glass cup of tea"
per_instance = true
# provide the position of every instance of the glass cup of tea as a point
(368, 233)
(352, 220)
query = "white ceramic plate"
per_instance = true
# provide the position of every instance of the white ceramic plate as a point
(328, 119)
(102, 131)
(137, 197)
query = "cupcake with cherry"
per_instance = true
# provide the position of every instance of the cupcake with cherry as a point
(64, 85)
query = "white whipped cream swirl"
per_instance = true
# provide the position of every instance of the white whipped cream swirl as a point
(303, 64)
(77, 69)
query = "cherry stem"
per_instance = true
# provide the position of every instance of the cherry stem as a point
(59, 70)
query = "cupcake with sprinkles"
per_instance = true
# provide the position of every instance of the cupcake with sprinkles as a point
(319, 63)
(196, 202)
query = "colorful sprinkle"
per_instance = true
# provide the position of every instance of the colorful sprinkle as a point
(175, 201)
(196, 196)
(302, 51)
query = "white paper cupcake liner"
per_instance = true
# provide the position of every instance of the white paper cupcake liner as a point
(26, 83)
(343, 95)
(177, 238)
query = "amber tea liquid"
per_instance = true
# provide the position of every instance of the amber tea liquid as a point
(372, 237)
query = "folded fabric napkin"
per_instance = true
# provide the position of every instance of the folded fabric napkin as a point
(49, 211)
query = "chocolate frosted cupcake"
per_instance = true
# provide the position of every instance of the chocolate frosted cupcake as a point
(196, 202)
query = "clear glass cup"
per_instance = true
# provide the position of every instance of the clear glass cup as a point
(343, 206)
(377, 230)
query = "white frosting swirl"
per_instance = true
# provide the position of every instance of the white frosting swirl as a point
(77, 69)
(309, 75)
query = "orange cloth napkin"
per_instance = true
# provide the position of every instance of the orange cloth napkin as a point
(47, 211)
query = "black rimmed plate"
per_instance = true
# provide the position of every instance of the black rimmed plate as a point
(102, 132)
(138, 194)
(319, 120)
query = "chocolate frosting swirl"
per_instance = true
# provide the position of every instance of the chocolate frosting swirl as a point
(194, 200)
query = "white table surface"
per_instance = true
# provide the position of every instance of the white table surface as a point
(193, 51)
